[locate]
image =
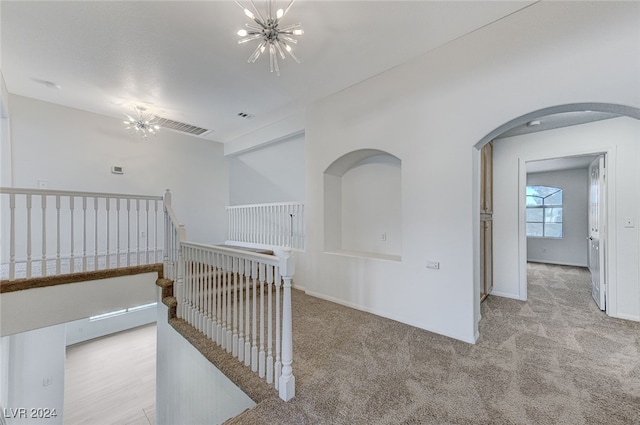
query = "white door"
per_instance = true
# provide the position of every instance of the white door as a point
(597, 232)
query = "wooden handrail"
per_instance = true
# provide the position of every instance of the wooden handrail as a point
(50, 192)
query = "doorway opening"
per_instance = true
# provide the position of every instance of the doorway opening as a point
(509, 249)
(565, 216)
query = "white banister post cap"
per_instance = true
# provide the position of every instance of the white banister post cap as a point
(287, 263)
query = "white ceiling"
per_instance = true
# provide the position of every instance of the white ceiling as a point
(180, 59)
(564, 119)
(560, 164)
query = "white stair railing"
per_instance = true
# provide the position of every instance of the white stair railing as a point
(53, 232)
(276, 224)
(236, 298)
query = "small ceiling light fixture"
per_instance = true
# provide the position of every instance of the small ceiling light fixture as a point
(270, 34)
(142, 122)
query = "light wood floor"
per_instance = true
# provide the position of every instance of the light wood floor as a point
(112, 380)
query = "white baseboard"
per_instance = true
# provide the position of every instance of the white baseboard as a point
(557, 263)
(631, 317)
(506, 295)
(389, 316)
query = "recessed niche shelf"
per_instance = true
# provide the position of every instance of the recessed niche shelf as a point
(363, 205)
(360, 254)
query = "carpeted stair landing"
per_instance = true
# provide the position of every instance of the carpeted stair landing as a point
(555, 359)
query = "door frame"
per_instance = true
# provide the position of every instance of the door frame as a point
(599, 231)
(610, 242)
(623, 110)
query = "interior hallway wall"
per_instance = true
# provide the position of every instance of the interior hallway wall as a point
(75, 150)
(620, 136)
(35, 376)
(271, 173)
(5, 145)
(430, 113)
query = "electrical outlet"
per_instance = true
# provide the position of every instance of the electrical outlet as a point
(433, 265)
(383, 237)
(46, 382)
(628, 222)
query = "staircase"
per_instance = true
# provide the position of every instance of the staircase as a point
(257, 389)
(239, 299)
(233, 304)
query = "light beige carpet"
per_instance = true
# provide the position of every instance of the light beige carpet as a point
(555, 359)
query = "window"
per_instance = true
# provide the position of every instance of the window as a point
(544, 212)
(120, 312)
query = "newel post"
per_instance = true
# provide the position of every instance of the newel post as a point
(287, 382)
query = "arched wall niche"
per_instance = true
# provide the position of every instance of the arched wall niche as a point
(363, 205)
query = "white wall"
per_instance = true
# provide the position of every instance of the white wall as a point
(271, 173)
(85, 329)
(620, 137)
(75, 150)
(571, 249)
(5, 145)
(4, 371)
(191, 390)
(5, 166)
(371, 204)
(431, 113)
(39, 307)
(36, 375)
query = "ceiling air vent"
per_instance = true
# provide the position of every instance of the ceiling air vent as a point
(180, 126)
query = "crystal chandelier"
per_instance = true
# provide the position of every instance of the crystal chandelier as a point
(142, 122)
(270, 35)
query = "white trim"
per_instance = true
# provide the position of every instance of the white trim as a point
(269, 204)
(277, 250)
(611, 257)
(506, 295)
(47, 192)
(522, 228)
(632, 317)
(557, 263)
(286, 128)
(363, 254)
(610, 154)
(475, 229)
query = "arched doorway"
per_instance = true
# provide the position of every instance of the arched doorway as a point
(516, 259)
